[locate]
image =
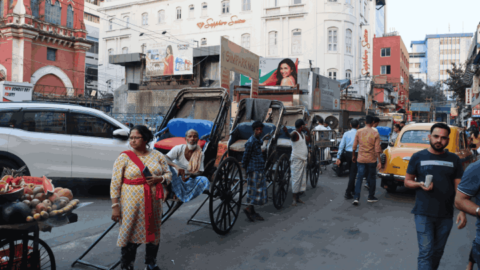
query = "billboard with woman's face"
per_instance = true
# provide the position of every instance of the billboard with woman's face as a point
(169, 58)
(276, 72)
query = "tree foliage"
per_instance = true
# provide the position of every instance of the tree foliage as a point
(419, 91)
(455, 82)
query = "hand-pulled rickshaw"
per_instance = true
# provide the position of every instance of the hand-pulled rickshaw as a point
(284, 146)
(321, 144)
(277, 165)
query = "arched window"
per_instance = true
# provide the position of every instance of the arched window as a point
(179, 13)
(348, 74)
(348, 41)
(125, 50)
(145, 19)
(272, 43)
(204, 9)
(70, 16)
(226, 7)
(332, 39)
(246, 41)
(297, 41)
(53, 13)
(110, 24)
(34, 6)
(161, 16)
(246, 5)
(203, 42)
(332, 74)
(191, 12)
(127, 21)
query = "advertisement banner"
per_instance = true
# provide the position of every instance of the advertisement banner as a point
(367, 47)
(476, 111)
(326, 92)
(16, 92)
(468, 96)
(269, 75)
(168, 58)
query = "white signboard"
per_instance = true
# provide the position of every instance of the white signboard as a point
(169, 58)
(16, 92)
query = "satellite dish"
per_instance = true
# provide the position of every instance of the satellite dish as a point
(332, 122)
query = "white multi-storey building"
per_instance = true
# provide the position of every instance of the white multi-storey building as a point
(91, 18)
(322, 33)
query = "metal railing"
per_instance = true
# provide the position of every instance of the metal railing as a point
(151, 120)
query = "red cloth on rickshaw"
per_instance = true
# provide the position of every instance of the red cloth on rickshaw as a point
(168, 144)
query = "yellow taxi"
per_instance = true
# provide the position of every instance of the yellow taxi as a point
(413, 138)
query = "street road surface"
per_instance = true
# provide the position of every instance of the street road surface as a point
(326, 233)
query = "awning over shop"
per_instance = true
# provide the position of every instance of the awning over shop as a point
(420, 107)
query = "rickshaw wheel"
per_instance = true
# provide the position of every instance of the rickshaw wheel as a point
(226, 192)
(11, 254)
(314, 168)
(281, 182)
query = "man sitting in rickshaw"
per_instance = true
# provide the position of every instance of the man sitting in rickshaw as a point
(186, 165)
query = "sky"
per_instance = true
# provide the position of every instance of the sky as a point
(414, 19)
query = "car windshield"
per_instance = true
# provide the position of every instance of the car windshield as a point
(416, 136)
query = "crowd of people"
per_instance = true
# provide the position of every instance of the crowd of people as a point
(142, 179)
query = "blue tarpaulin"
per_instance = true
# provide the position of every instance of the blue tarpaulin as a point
(420, 107)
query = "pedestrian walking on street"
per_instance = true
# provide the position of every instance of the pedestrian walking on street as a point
(475, 139)
(136, 199)
(253, 163)
(186, 165)
(470, 187)
(345, 153)
(376, 122)
(433, 208)
(298, 160)
(368, 142)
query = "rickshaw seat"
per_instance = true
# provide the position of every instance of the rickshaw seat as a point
(177, 127)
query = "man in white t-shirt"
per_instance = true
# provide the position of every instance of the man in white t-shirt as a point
(322, 125)
(186, 164)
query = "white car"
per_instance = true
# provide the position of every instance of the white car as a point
(60, 140)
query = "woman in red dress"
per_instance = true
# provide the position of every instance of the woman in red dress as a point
(168, 61)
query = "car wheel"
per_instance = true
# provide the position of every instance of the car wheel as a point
(391, 188)
(8, 164)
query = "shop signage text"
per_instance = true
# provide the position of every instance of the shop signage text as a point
(210, 23)
(365, 58)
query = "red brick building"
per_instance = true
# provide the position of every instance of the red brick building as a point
(43, 42)
(390, 70)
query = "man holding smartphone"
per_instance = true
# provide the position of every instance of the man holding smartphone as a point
(433, 208)
(298, 158)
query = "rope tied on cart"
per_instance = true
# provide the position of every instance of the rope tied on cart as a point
(149, 218)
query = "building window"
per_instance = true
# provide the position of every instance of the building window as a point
(332, 39)
(203, 42)
(297, 41)
(95, 2)
(191, 11)
(179, 13)
(145, 19)
(127, 21)
(53, 13)
(332, 74)
(385, 52)
(70, 16)
(109, 85)
(385, 70)
(110, 24)
(204, 10)
(295, 2)
(91, 18)
(348, 74)
(275, 3)
(34, 6)
(125, 50)
(94, 48)
(246, 41)
(246, 5)
(348, 2)
(272, 43)
(161, 16)
(226, 7)
(51, 54)
(110, 51)
(332, 0)
(348, 41)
